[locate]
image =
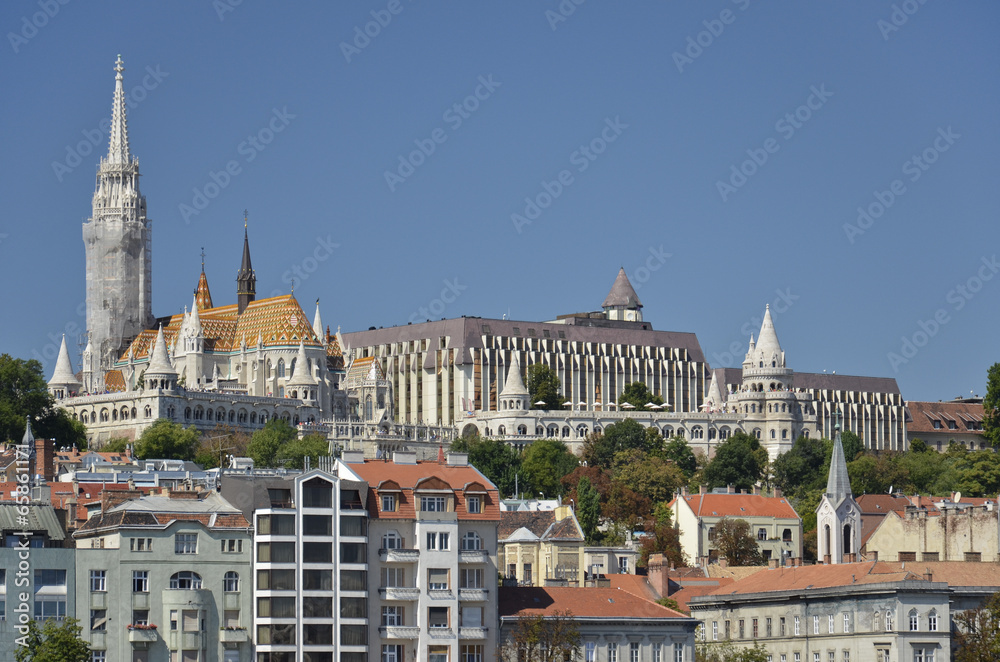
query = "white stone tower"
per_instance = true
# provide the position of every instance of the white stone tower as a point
(838, 517)
(514, 396)
(118, 242)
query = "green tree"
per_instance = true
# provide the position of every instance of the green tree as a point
(543, 386)
(545, 462)
(802, 467)
(661, 538)
(625, 508)
(53, 641)
(875, 474)
(222, 441)
(292, 454)
(116, 445)
(991, 406)
(498, 461)
(852, 444)
(650, 475)
(588, 508)
(977, 633)
(739, 461)
(599, 449)
(638, 395)
(551, 637)
(165, 439)
(678, 450)
(266, 443)
(25, 393)
(724, 651)
(979, 474)
(735, 541)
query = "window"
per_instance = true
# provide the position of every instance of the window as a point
(276, 607)
(437, 579)
(189, 620)
(276, 552)
(678, 653)
(276, 525)
(320, 607)
(888, 621)
(140, 544)
(815, 624)
(185, 580)
(391, 540)
(393, 577)
(322, 552)
(474, 504)
(847, 656)
(98, 656)
(437, 617)
(755, 629)
(470, 578)
(471, 541)
(140, 617)
(797, 657)
(830, 624)
(388, 506)
(471, 617)
(923, 655)
(742, 629)
(437, 654)
(98, 620)
(50, 594)
(186, 543)
(715, 630)
(612, 652)
(831, 656)
(232, 546)
(392, 653)
(392, 616)
(762, 534)
(914, 621)
(317, 493)
(781, 626)
(932, 621)
(796, 626)
(231, 582)
(352, 552)
(140, 581)
(656, 652)
(432, 504)
(590, 652)
(173, 619)
(633, 652)
(98, 581)
(767, 626)
(437, 541)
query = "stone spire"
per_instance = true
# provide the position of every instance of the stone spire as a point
(768, 348)
(622, 303)
(159, 360)
(118, 149)
(63, 378)
(203, 298)
(318, 323)
(838, 483)
(513, 385)
(302, 374)
(246, 279)
(714, 400)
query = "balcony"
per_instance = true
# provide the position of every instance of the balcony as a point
(473, 556)
(399, 555)
(399, 632)
(440, 633)
(142, 635)
(474, 594)
(472, 632)
(399, 592)
(233, 635)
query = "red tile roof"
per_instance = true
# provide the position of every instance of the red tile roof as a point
(965, 414)
(581, 602)
(739, 505)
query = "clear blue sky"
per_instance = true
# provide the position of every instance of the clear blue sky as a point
(611, 78)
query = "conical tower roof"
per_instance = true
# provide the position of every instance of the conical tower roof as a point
(118, 151)
(302, 374)
(514, 385)
(194, 323)
(159, 362)
(714, 398)
(767, 341)
(838, 483)
(63, 375)
(318, 323)
(622, 293)
(28, 440)
(203, 297)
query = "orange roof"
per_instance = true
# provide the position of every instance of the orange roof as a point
(581, 602)
(634, 584)
(279, 321)
(967, 417)
(818, 576)
(739, 505)
(690, 590)
(202, 295)
(403, 479)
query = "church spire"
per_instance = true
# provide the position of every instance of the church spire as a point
(246, 280)
(838, 483)
(118, 147)
(203, 296)
(318, 323)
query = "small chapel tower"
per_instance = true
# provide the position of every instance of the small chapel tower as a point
(514, 396)
(622, 303)
(838, 516)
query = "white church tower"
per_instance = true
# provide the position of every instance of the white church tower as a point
(118, 242)
(838, 517)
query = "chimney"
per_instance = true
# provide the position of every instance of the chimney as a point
(797, 561)
(723, 562)
(756, 489)
(702, 489)
(44, 457)
(730, 489)
(772, 563)
(914, 500)
(777, 493)
(684, 490)
(928, 575)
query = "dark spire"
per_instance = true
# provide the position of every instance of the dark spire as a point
(246, 280)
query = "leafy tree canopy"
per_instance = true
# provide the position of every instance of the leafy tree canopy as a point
(545, 462)
(724, 651)
(735, 541)
(543, 386)
(599, 449)
(991, 406)
(498, 462)
(588, 508)
(23, 393)
(53, 641)
(638, 395)
(649, 475)
(804, 466)
(541, 638)
(266, 443)
(165, 439)
(292, 454)
(977, 635)
(739, 461)
(678, 450)
(221, 442)
(661, 538)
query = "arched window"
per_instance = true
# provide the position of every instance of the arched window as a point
(581, 431)
(914, 621)
(231, 582)
(756, 432)
(186, 580)
(697, 432)
(187, 413)
(368, 408)
(253, 416)
(888, 621)
(209, 414)
(501, 430)
(104, 416)
(539, 430)
(784, 434)
(876, 621)
(565, 431)
(86, 419)
(391, 540)
(711, 433)
(472, 542)
(553, 431)
(281, 368)
(932, 621)
(668, 432)
(522, 429)
(773, 434)
(786, 535)
(114, 414)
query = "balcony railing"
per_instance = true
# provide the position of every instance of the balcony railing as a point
(233, 636)
(399, 592)
(142, 634)
(474, 594)
(399, 632)
(473, 556)
(472, 632)
(399, 555)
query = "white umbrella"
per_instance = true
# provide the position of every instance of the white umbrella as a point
(567, 403)
(651, 405)
(540, 402)
(597, 403)
(582, 403)
(628, 405)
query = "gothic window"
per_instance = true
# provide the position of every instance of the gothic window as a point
(368, 408)
(86, 419)
(114, 414)
(697, 432)
(281, 368)
(668, 432)
(581, 431)
(291, 370)
(756, 432)
(522, 429)
(133, 412)
(565, 431)
(761, 364)
(539, 430)
(753, 409)
(553, 431)
(784, 434)
(253, 417)
(187, 413)
(501, 430)
(773, 434)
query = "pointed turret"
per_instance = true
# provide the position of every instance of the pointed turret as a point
(714, 400)
(246, 279)
(194, 319)
(838, 483)
(28, 440)
(203, 297)
(64, 382)
(838, 516)
(768, 348)
(622, 303)
(514, 395)
(159, 360)
(302, 384)
(118, 147)
(318, 323)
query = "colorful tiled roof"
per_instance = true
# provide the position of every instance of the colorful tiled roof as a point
(114, 382)
(278, 321)
(581, 602)
(202, 295)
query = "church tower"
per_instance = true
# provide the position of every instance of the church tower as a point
(246, 279)
(118, 242)
(838, 517)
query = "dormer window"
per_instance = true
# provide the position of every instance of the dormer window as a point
(433, 504)
(389, 503)
(937, 424)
